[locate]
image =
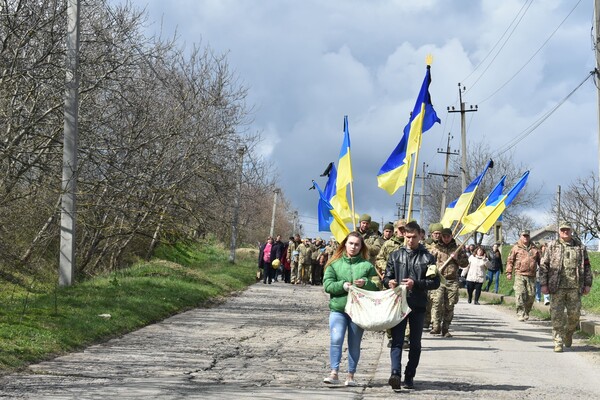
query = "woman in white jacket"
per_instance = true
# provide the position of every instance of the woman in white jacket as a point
(475, 273)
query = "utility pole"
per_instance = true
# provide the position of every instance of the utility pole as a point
(463, 133)
(557, 208)
(445, 175)
(272, 231)
(597, 77)
(422, 194)
(236, 204)
(295, 222)
(68, 210)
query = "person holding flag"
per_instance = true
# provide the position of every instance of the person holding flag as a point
(449, 258)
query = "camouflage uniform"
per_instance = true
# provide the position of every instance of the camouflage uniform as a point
(565, 270)
(293, 256)
(392, 244)
(304, 262)
(523, 259)
(446, 296)
(317, 268)
(429, 243)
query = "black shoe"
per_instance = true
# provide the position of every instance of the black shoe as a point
(409, 383)
(395, 382)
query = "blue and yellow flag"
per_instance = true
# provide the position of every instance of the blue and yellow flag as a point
(484, 209)
(394, 172)
(483, 219)
(344, 177)
(457, 209)
(329, 219)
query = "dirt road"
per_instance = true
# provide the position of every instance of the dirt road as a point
(271, 342)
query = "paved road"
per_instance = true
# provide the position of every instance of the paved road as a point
(271, 342)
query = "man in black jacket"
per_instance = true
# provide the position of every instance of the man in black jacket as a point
(408, 266)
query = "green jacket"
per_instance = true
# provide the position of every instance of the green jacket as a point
(346, 269)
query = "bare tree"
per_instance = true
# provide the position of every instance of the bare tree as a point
(580, 205)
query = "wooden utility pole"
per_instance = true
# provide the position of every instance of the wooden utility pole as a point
(463, 133)
(272, 231)
(68, 209)
(445, 175)
(422, 195)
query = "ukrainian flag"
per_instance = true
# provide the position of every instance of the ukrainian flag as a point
(344, 177)
(456, 210)
(484, 209)
(394, 172)
(482, 220)
(330, 219)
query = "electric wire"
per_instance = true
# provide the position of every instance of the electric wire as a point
(532, 57)
(512, 143)
(499, 40)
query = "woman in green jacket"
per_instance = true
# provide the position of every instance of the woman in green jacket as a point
(348, 266)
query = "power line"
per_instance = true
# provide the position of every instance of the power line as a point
(530, 58)
(505, 42)
(512, 143)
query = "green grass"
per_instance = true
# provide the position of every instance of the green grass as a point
(590, 303)
(45, 321)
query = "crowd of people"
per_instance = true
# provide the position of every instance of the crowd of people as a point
(403, 255)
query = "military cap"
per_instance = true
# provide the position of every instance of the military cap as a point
(400, 223)
(435, 227)
(524, 232)
(446, 231)
(319, 239)
(373, 225)
(389, 226)
(565, 225)
(365, 217)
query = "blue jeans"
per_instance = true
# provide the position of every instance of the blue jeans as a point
(338, 324)
(415, 320)
(490, 278)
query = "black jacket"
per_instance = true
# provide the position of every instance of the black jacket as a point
(405, 263)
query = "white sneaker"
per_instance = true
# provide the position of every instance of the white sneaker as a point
(331, 380)
(547, 302)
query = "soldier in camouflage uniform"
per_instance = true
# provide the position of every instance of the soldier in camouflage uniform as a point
(566, 274)
(435, 232)
(393, 243)
(293, 256)
(374, 242)
(446, 296)
(316, 272)
(523, 260)
(304, 261)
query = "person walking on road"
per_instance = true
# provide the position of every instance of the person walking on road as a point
(566, 274)
(523, 260)
(475, 273)
(408, 266)
(495, 269)
(348, 266)
(449, 259)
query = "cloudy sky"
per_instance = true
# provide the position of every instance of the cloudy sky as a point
(307, 63)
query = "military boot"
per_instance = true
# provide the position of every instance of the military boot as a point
(568, 341)
(445, 332)
(436, 330)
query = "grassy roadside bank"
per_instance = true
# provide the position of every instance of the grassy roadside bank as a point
(45, 321)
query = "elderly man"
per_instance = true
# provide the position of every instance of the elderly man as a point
(566, 274)
(523, 260)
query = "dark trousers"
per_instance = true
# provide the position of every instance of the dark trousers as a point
(415, 320)
(476, 286)
(269, 272)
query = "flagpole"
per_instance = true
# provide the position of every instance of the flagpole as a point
(412, 183)
(469, 235)
(352, 192)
